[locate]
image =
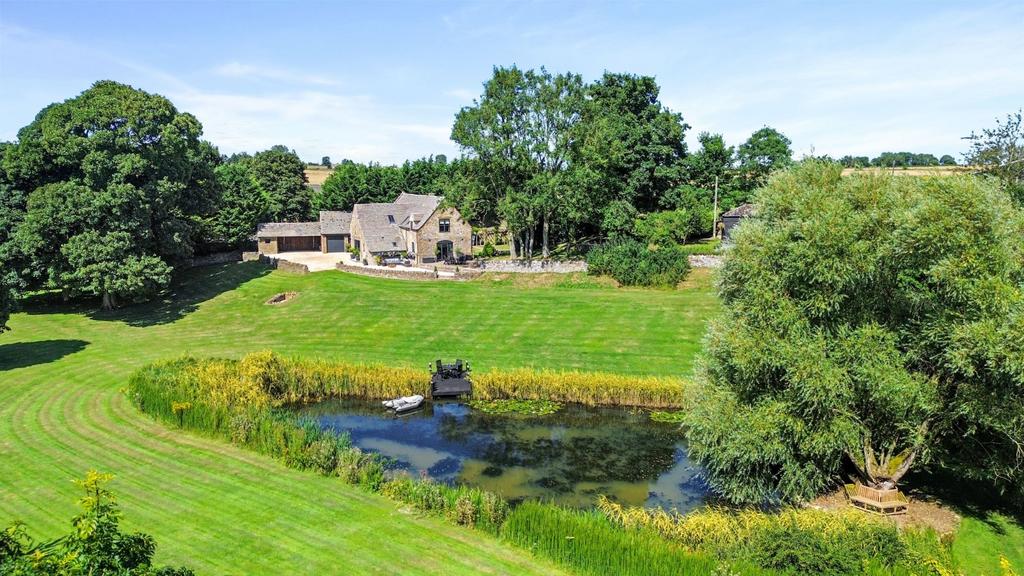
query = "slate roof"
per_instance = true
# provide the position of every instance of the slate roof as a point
(335, 222)
(418, 207)
(287, 229)
(380, 233)
(741, 211)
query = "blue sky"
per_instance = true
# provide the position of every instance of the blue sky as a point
(382, 81)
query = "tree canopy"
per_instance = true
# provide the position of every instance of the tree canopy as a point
(765, 151)
(870, 321)
(116, 180)
(999, 152)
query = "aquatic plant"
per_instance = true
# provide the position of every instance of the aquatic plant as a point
(588, 543)
(804, 540)
(674, 417)
(516, 407)
(462, 505)
(590, 388)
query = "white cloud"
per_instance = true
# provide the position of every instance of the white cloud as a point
(238, 70)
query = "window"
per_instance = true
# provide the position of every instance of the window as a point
(391, 219)
(413, 248)
(444, 225)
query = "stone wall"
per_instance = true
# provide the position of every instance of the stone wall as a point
(284, 265)
(460, 234)
(534, 266)
(405, 274)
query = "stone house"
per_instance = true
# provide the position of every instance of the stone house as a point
(414, 224)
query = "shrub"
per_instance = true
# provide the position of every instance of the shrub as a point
(488, 250)
(634, 264)
(96, 545)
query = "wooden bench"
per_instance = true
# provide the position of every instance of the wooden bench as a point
(877, 501)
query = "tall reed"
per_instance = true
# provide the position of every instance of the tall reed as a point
(590, 388)
(588, 543)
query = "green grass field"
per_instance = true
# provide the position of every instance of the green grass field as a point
(219, 509)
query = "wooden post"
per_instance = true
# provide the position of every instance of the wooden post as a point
(714, 218)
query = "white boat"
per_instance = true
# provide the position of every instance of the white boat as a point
(405, 403)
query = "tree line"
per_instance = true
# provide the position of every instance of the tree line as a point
(107, 193)
(897, 160)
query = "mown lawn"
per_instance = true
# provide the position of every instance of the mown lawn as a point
(219, 509)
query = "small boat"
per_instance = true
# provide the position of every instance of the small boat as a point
(405, 403)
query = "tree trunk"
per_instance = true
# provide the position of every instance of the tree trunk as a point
(545, 229)
(108, 301)
(512, 245)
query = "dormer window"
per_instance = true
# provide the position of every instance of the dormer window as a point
(444, 225)
(391, 219)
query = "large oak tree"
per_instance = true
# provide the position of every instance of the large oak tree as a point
(116, 180)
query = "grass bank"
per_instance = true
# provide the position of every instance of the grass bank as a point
(221, 509)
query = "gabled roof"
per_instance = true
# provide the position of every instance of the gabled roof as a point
(741, 211)
(335, 222)
(287, 229)
(380, 233)
(418, 207)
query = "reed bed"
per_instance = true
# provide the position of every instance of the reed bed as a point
(804, 540)
(461, 505)
(588, 543)
(590, 388)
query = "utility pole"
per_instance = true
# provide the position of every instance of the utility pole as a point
(714, 219)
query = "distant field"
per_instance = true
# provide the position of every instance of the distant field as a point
(317, 175)
(912, 171)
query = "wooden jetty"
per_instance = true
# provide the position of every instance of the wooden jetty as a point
(450, 380)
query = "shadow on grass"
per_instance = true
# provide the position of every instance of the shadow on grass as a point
(187, 292)
(23, 354)
(968, 497)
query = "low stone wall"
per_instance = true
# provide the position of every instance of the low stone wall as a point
(250, 256)
(284, 265)
(398, 273)
(216, 258)
(534, 266)
(705, 261)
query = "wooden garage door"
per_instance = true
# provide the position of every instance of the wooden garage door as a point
(298, 244)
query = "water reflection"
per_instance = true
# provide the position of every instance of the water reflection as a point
(568, 457)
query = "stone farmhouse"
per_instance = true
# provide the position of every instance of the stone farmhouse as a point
(414, 224)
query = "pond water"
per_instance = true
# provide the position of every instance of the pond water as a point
(568, 457)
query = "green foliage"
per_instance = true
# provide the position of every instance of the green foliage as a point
(281, 176)
(588, 543)
(107, 264)
(462, 505)
(870, 318)
(243, 204)
(764, 152)
(905, 160)
(590, 388)
(488, 250)
(792, 540)
(670, 227)
(95, 546)
(668, 417)
(516, 407)
(999, 152)
(634, 264)
(116, 166)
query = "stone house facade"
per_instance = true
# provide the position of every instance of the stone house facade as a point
(414, 225)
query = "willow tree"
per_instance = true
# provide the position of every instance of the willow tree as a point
(871, 324)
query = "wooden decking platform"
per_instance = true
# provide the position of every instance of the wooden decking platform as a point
(450, 387)
(450, 380)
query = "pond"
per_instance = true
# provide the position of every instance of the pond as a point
(568, 457)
